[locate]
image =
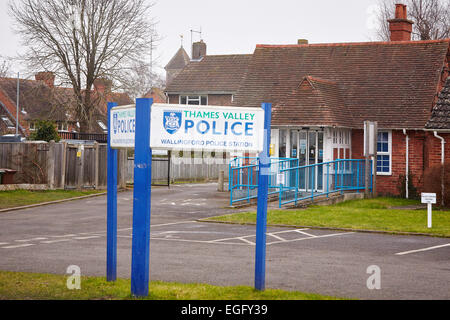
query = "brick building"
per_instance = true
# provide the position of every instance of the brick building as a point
(321, 94)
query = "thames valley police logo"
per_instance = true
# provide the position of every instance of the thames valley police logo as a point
(172, 121)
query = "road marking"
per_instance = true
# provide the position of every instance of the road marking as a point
(421, 250)
(276, 237)
(56, 241)
(309, 238)
(64, 236)
(3, 243)
(245, 240)
(85, 238)
(19, 246)
(169, 224)
(305, 233)
(34, 239)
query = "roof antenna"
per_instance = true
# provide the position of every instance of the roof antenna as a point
(192, 42)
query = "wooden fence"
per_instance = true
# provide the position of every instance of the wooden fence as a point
(61, 165)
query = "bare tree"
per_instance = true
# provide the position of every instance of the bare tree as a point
(84, 40)
(4, 67)
(431, 18)
(141, 79)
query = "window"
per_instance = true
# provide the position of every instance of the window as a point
(194, 100)
(384, 153)
(63, 126)
(8, 122)
(32, 126)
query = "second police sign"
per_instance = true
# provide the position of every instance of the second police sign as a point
(185, 127)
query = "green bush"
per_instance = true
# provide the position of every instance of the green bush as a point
(45, 131)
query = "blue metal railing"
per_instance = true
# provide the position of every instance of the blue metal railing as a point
(243, 177)
(308, 182)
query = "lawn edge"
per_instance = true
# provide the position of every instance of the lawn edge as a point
(53, 202)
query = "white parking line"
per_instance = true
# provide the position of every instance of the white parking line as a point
(314, 237)
(3, 243)
(56, 241)
(85, 238)
(306, 233)
(28, 240)
(19, 246)
(424, 249)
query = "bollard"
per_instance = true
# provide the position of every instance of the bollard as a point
(220, 186)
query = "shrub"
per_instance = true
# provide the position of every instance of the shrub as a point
(433, 182)
(401, 187)
(45, 131)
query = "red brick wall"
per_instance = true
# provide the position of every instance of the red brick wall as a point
(433, 149)
(219, 99)
(388, 184)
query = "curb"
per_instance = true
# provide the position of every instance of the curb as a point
(399, 233)
(53, 202)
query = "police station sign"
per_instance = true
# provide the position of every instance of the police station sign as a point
(123, 123)
(184, 127)
(206, 128)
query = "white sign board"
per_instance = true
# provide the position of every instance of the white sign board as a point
(184, 127)
(123, 123)
(429, 198)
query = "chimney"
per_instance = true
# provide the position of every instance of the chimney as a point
(198, 50)
(302, 41)
(400, 27)
(46, 76)
(102, 85)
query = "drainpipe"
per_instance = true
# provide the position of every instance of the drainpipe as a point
(407, 164)
(442, 162)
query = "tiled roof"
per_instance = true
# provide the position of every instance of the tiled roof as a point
(55, 103)
(313, 102)
(179, 60)
(440, 115)
(215, 73)
(39, 100)
(393, 83)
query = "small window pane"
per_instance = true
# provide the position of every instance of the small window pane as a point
(183, 100)
(204, 100)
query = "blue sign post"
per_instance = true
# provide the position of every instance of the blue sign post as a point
(263, 189)
(130, 126)
(111, 228)
(141, 200)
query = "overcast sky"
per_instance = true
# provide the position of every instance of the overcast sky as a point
(236, 26)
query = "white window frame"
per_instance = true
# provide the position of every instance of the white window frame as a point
(388, 153)
(189, 98)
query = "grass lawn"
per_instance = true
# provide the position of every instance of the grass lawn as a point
(17, 198)
(367, 214)
(25, 286)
